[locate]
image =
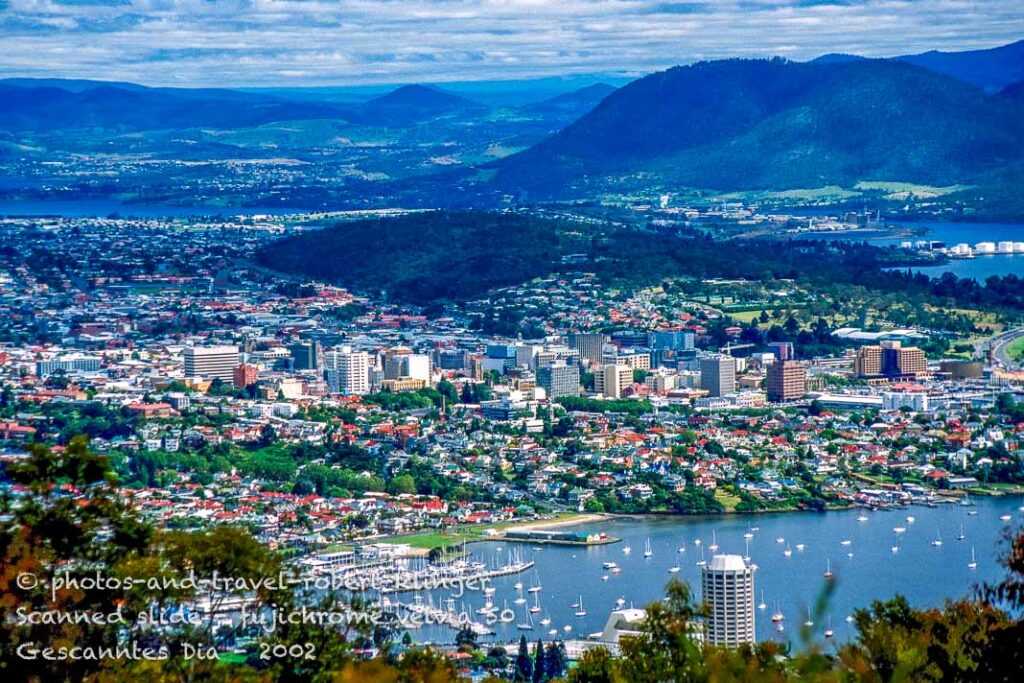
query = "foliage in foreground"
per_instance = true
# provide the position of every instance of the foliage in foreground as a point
(66, 514)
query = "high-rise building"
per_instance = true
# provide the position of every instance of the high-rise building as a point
(211, 362)
(305, 355)
(610, 380)
(245, 376)
(727, 585)
(786, 381)
(783, 350)
(890, 359)
(589, 344)
(718, 375)
(559, 379)
(347, 371)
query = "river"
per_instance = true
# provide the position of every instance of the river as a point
(864, 570)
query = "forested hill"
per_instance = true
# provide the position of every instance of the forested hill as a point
(756, 124)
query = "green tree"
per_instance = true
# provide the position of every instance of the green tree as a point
(524, 665)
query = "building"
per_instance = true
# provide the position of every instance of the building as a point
(590, 345)
(211, 362)
(245, 376)
(305, 355)
(718, 375)
(783, 350)
(402, 363)
(72, 363)
(634, 358)
(559, 379)
(727, 585)
(347, 371)
(786, 381)
(610, 380)
(890, 359)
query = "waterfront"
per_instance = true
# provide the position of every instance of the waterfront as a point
(927, 575)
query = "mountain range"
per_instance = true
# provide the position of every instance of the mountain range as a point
(751, 124)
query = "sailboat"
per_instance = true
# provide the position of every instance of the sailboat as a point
(862, 517)
(681, 549)
(701, 562)
(746, 553)
(626, 550)
(787, 552)
(777, 615)
(973, 564)
(519, 600)
(526, 625)
(828, 569)
(580, 611)
(647, 548)
(960, 536)
(545, 621)
(762, 605)
(895, 544)
(674, 569)
(714, 543)
(828, 629)
(809, 622)
(938, 539)
(536, 604)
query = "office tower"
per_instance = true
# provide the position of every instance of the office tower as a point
(245, 375)
(68, 364)
(347, 371)
(211, 362)
(305, 355)
(786, 381)
(727, 585)
(393, 361)
(783, 350)
(718, 375)
(610, 380)
(890, 359)
(589, 345)
(559, 379)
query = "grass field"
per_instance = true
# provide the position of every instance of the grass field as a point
(1016, 349)
(428, 540)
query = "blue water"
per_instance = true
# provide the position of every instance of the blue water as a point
(926, 575)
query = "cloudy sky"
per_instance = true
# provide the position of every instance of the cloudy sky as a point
(324, 42)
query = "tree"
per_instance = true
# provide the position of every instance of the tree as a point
(539, 665)
(465, 639)
(403, 483)
(524, 665)
(556, 661)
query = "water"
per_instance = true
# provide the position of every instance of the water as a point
(926, 575)
(952, 234)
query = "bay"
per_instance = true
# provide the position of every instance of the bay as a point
(927, 575)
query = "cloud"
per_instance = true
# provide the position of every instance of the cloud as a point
(311, 42)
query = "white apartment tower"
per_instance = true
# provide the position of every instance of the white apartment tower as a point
(727, 584)
(211, 362)
(347, 371)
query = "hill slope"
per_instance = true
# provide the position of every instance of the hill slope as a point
(739, 124)
(991, 70)
(411, 104)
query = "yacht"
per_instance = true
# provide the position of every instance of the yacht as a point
(681, 549)
(845, 541)
(536, 604)
(828, 569)
(910, 519)
(780, 539)
(674, 569)
(938, 539)
(609, 565)
(899, 529)
(787, 552)
(809, 621)
(627, 550)
(714, 543)
(762, 605)
(828, 629)
(545, 621)
(519, 600)
(862, 517)
(701, 562)
(580, 611)
(1005, 518)
(647, 548)
(800, 547)
(973, 564)
(526, 625)
(553, 632)
(960, 536)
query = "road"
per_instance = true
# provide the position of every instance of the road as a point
(1000, 345)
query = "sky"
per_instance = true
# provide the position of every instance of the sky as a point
(348, 42)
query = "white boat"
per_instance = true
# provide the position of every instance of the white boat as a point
(750, 533)
(972, 512)
(604, 577)
(518, 585)
(849, 618)
(862, 518)
(609, 565)
(973, 564)
(714, 543)
(619, 602)
(627, 550)
(580, 611)
(553, 632)
(762, 605)
(777, 616)
(701, 562)
(780, 539)
(681, 549)
(545, 621)
(673, 569)
(536, 604)
(1005, 518)
(696, 541)
(787, 552)
(845, 541)
(809, 622)
(519, 600)
(895, 545)
(910, 519)
(938, 539)
(960, 536)
(647, 548)
(899, 529)
(828, 569)
(800, 547)
(526, 625)
(567, 628)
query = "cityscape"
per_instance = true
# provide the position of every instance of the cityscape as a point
(707, 372)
